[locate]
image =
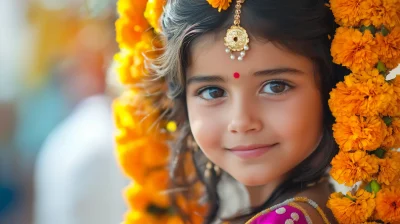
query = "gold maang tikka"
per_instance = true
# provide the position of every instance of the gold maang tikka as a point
(236, 38)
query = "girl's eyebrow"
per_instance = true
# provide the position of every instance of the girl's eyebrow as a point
(266, 72)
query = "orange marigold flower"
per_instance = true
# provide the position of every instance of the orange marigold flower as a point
(153, 13)
(354, 49)
(389, 140)
(349, 211)
(389, 167)
(140, 198)
(131, 162)
(396, 131)
(220, 4)
(157, 180)
(388, 205)
(382, 12)
(147, 153)
(363, 93)
(351, 167)
(176, 219)
(394, 109)
(392, 139)
(388, 48)
(359, 133)
(347, 12)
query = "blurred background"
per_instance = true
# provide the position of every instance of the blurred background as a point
(56, 89)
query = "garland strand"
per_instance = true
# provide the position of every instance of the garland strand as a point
(141, 137)
(367, 111)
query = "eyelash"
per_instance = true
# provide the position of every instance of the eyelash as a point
(287, 85)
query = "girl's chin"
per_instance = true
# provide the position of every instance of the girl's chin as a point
(252, 180)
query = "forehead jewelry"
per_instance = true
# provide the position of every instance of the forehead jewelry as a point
(236, 75)
(236, 39)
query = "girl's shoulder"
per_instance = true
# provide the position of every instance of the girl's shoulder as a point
(308, 206)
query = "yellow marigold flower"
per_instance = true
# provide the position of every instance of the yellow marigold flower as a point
(131, 8)
(347, 12)
(363, 93)
(388, 205)
(153, 13)
(135, 217)
(220, 4)
(134, 116)
(132, 23)
(389, 167)
(349, 211)
(351, 167)
(130, 63)
(353, 49)
(129, 32)
(359, 133)
(388, 48)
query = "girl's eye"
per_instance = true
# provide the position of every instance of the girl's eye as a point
(276, 87)
(211, 93)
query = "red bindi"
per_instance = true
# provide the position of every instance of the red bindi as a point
(236, 75)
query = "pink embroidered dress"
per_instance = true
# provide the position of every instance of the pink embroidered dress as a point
(288, 212)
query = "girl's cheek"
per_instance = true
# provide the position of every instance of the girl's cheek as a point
(207, 129)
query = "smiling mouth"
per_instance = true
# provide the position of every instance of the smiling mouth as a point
(251, 151)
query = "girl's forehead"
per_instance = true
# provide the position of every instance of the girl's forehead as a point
(208, 56)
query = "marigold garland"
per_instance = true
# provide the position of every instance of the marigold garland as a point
(367, 111)
(141, 136)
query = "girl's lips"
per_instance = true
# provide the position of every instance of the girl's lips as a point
(252, 151)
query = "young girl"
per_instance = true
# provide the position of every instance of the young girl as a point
(255, 100)
(247, 83)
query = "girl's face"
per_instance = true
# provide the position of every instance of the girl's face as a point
(260, 125)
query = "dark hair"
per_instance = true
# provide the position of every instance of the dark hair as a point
(303, 27)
